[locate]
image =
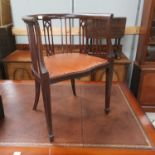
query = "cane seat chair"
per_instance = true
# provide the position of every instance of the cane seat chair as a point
(79, 38)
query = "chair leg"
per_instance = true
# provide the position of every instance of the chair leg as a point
(47, 105)
(108, 85)
(73, 86)
(37, 94)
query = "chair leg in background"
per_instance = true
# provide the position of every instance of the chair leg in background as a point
(1, 109)
(73, 86)
(37, 94)
(108, 85)
(47, 105)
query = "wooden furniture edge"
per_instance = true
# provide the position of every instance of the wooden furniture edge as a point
(122, 60)
(129, 30)
(17, 81)
(146, 124)
(74, 151)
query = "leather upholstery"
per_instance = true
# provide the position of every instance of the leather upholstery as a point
(66, 63)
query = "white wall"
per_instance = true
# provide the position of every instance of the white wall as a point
(21, 8)
(126, 8)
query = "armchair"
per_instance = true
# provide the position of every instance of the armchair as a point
(80, 38)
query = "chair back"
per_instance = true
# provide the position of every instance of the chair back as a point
(97, 36)
(62, 33)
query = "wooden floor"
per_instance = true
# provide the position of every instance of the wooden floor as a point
(54, 150)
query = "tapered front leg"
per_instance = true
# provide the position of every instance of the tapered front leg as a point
(47, 105)
(37, 94)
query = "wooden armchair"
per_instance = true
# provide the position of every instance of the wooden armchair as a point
(79, 38)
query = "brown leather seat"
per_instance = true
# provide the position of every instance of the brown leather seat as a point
(65, 64)
(93, 36)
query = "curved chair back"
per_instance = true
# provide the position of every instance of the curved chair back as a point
(62, 33)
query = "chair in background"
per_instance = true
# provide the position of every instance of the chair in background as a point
(79, 38)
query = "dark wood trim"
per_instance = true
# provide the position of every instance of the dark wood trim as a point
(74, 151)
(148, 108)
(22, 46)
